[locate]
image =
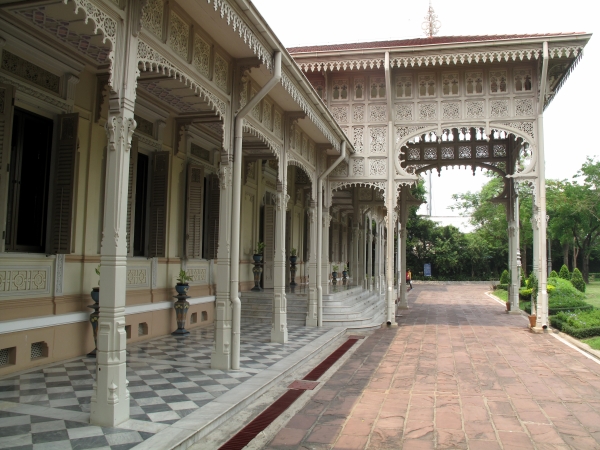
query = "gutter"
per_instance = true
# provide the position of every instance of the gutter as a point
(236, 210)
(320, 231)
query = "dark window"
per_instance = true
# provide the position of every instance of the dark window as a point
(29, 182)
(141, 205)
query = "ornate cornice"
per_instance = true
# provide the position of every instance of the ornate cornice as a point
(153, 61)
(413, 60)
(299, 98)
(236, 22)
(102, 21)
(47, 98)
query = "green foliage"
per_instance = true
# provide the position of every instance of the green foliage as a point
(505, 277)
(563, 289)
(593, 342)
(532, 283)
(564, 273)
(500, 287)
(577, 280)
(260, 246)
(579, 333)
(183, 277)
(553, 274)
(525, 294)
(523, 281)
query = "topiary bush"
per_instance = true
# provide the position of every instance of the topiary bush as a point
(505, 277)
(581, 324)
(577, 280)
(553, 274)
(563, 290)
(564, 273)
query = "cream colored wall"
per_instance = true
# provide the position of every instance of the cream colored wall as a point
(76, 339)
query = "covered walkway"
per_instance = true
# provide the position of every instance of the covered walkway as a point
(457, 373)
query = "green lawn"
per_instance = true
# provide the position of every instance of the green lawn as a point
(592, 293)
(501, 294)
(593, 342)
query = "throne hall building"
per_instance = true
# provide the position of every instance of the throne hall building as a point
(139, 138)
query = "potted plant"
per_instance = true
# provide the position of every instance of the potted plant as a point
(96, 290)
(293, 257)
(258, 252)
(345, 271)
(182, 282)
(334, 269)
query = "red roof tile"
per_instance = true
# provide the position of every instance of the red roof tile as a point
(436, 40)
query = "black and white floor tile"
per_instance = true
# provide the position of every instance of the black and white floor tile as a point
(169, 378)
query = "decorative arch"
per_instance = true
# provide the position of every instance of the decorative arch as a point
(521, 130)
(336, 185)
(309, 174)
(151, 60)
(274, 146)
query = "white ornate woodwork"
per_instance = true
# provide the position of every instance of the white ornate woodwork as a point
(221, 76)
(340, 113)
(358, 113)
(404, 112)
(378, 139)
(179, 35)
(152, 17)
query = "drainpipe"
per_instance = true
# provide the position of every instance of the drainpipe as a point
(320, 232)
(235, 210)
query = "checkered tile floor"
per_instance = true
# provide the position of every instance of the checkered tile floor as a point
(168, 379)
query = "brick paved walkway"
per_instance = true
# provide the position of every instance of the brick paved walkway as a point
(457, 373)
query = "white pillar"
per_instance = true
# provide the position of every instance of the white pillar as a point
(369, 234)
(403, 301)
(279, 331)
(355, 254)
(312, 315)
(377, 241)
(515, 265)
(325, 267)
(361, 277)
(110, 397)
(221, 353)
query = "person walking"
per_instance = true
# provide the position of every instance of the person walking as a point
(409, 278)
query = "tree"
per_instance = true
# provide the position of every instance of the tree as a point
(577, 280)
(564, 273)
(505, 277)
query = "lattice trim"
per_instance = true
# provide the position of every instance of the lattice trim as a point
(236, 22)
(299, 98)
(275, 146)
(440, 59)
(102, 21)
(152, 60)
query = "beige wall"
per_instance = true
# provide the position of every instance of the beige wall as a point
(76, 339)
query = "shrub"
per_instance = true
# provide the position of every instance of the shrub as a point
(532, 283)
(564, 273)
(505, 277)
(501, 286)
(577, 280)
(553, 274)
(523, 283)
(525, 294)
(581, 324)
(563, 290)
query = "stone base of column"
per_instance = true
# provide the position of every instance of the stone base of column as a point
(392, 325)
(402, 307)
(279, 331)
(279, 335)
(109, 409)
(538, 330)
(514, 313)
(220, 361)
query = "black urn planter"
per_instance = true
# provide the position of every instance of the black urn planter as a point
(257, 271)
(94, 318)
(293, 260)
(334, 278)
(344, 276)
(182, 288)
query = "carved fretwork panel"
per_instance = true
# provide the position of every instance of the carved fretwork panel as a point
(462, 147)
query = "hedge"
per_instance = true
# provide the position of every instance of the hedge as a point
(553, 310)
(578, 333)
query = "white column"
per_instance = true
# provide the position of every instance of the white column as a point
(377, 240)
(312, 315)
(535, 216)
(369, 235)
(279, 331)
(325, 267)
(515, 265)
(221, 353)
(403, 301)
(361, 277)
(355, 254)
(110, 400)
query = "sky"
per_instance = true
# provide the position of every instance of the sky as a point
(569, 122)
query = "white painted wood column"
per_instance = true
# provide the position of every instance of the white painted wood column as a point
(279, 331)
(312, 315)
(360, 275)
(515, 263)
(325, 267)
(369, 234)
(376, 271)
(355, 254)
(403, 234)
(221, 353)
(110, 397)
